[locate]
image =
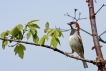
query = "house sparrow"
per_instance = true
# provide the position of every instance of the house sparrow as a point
(75, 41)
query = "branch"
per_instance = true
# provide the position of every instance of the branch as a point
(85, 31)
(75, 13)
(100, 8)
(101, 67)
(63, 30)
(49, 47)
(100, 39)
(102, 33)
(70, 16)
(74, 18)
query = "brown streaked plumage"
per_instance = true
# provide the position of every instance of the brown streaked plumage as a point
(77, 25)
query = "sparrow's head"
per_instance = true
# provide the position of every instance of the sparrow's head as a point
(74, 25)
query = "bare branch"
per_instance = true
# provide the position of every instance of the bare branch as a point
(75, 10)
(82, 18)
(100, 39)
(101, 66)
(79, 14)
(63, 30)
(85, 31)
(102, 33)
(46, 46)
(13, 45)
(74, 18)
(100, 8)
(69, 16)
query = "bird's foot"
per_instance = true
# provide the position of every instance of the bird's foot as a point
(67, 53)
(77, 57)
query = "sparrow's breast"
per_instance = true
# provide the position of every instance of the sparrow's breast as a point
(74, 43)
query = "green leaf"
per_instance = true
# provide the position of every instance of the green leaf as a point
(4, 34)
(4, 43)
(32, 29)
(48, 31)
(22, 46)
(58, 41)
(45, 30)
(16, 50)
(35, 38)
(53, 42)
(29, 23)
(20, 27)
(47, 25)
(28, 35)
(14, 31)
(25, 29)
(46, 37)
(56, 33)
(19, 36)
(51, 32)
(35, 26)
(19, 49)
(42, 40)
(60, 33)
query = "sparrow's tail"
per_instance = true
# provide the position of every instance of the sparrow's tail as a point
(85, 64)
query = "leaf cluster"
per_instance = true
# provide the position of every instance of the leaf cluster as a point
(30, 31)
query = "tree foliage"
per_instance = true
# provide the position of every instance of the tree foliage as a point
(30, 31)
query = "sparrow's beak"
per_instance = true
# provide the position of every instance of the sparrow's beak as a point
(68, 23)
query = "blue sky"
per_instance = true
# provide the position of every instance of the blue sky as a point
(13, 12)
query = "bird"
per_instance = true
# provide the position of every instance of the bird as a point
(75, 41)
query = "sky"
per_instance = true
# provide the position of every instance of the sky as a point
(14, 12)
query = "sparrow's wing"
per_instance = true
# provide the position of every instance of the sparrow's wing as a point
(80, 40)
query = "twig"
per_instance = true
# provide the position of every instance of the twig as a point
(100, 39)
(82, 18)
(74, 18)
(75, 10)
(63, 30)
(13, 45)
(102, 33)
(46, 46)
(85, 31)
(100, 8)
(69, 16)
(79, 14)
